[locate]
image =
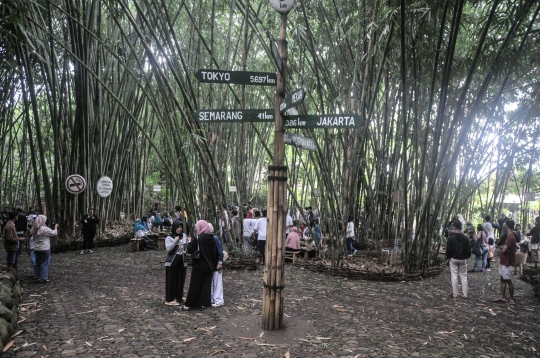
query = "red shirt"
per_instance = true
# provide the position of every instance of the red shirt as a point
(509, 257)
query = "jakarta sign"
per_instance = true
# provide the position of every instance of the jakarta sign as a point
(283, 6)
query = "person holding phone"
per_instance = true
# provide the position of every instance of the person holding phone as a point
(42, 247)
(89, 223)
(175, 264)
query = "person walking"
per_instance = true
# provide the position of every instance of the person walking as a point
(507, 262)
(175, 264)
(482, 247)
(204, 247)
(349, 236)
(260, 229)
(42, 247)
(458, 250)
(89, 229)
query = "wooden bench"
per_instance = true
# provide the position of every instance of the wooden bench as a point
(291, 255)
(135, 244)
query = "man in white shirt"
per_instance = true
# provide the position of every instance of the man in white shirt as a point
(260, 229)
(248, 225)
(288, 223)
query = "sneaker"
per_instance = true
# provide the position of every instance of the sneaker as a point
(81, 253)
(488, 270)
(217, 304)
(172, 303)
(354, 252)
(349, 255)
(90, 251)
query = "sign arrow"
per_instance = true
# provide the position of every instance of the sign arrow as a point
(323, 121)
(292, 99)
(238, 77)
(234, 115)
(300, 141)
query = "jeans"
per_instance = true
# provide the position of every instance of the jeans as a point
(41, 269)
(247, 244)
(348, 243)
(483, 257)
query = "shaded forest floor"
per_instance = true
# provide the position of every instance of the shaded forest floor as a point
(111, 304)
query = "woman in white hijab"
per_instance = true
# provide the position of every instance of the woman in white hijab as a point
(42, 247)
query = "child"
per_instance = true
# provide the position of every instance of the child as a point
(490, 254)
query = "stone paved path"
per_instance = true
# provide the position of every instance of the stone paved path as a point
(111, 304)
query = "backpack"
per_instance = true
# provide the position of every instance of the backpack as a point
(536, 237)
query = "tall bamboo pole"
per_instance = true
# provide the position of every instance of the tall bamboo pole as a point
(274, 274)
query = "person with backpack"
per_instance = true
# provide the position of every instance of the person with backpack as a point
(458, 250)
(534, 244)
(481, 248)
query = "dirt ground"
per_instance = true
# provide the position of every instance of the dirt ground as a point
(111, 304)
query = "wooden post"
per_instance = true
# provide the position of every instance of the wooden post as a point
(274, 274)
(74, 215)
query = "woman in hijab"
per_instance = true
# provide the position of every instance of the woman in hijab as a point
(42, 247)
(175, 264)
(293, 240)
(199, 293)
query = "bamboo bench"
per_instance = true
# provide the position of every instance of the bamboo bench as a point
(291, 255)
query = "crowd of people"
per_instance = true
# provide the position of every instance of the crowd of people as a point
(464, 240)
(15, 225)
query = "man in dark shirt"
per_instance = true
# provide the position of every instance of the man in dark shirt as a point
(89, 229)
(507, 262)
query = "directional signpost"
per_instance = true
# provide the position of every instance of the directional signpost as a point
(237, 77)
(292, 99)
(234, 115)
(323, 121)
(300, 141)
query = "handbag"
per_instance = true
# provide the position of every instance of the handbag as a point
(196, 255)
(253, 239)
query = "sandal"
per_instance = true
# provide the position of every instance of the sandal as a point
(512, 302)
(184, 308)
(500, 300)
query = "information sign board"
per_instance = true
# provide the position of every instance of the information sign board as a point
(104, 186)
(237, 77)
(232, 189)
(156, 188)
(529, 196)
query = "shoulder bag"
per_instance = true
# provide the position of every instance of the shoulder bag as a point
(196, 255)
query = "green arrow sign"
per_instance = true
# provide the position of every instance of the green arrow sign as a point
(292, 100)
(300, 141)
(234, 115)
(323, 121)
(238, 77)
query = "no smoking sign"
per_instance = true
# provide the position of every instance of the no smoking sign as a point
(75, 184)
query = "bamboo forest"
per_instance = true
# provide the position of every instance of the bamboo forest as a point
(398, 116)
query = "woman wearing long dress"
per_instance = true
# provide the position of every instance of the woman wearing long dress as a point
(200, 286)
